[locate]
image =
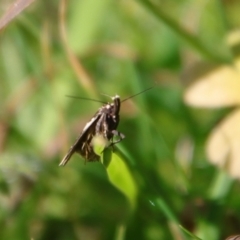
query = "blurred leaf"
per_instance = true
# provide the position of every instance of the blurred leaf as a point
(219, 87)
(216, 88)
(223, 144)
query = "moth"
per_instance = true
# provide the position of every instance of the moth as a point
(104, 123)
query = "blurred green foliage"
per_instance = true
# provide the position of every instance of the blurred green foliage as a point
(158, 177)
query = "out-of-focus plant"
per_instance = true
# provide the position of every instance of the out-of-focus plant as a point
(219, 87)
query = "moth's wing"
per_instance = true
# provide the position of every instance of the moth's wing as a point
(68, 155)
(83, 141)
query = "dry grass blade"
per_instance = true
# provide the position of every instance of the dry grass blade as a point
(14, 9)
(81, 73)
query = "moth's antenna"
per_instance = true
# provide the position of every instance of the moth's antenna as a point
(106, 95)
(138, 93)
(83, 98)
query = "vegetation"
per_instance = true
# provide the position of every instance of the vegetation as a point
(175, 174)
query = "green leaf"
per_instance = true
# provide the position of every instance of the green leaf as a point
(192, 236)
(120, 175)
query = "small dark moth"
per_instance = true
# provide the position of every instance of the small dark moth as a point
(104, 123)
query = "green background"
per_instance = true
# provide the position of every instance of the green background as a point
(159, 177)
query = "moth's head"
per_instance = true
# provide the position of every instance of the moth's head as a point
(115, 97)
(115, 102)
(115, 105)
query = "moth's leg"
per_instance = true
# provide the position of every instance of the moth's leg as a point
(120, 138)
(119, 135)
